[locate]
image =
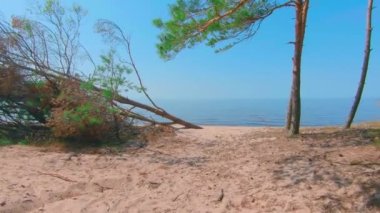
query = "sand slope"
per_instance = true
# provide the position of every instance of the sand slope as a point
(217, 169)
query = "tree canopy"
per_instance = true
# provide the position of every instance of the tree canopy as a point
(220, 23)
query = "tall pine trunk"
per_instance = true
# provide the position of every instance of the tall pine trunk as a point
(367, 53)
(294, 114)
(289, 114)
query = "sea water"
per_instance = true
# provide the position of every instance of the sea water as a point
(270, 112)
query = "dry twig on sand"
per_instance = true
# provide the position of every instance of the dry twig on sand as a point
(221, 196)
(57, 176)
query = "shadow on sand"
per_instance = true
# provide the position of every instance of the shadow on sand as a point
(329, 163)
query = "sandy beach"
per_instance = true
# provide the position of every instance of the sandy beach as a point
(216, 169)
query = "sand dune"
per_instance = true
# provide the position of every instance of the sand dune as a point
(217, 169)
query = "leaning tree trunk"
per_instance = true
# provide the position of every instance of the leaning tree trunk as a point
(367, 53)
(294, 114)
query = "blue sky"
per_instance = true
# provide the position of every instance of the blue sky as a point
(258, 68)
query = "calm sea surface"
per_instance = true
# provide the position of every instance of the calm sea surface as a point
(315, 112)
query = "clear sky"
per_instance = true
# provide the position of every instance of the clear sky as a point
(258, 68)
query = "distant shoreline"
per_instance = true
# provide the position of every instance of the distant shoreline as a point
(355, 125)
(270, 112)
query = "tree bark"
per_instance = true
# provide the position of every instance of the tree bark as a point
(302, 7)
(289, 114)
(367, 53)
(160, 112)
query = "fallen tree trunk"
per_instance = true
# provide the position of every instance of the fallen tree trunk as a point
(156, 111)
(120, 99)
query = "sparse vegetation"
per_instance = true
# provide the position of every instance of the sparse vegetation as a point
(91, 150)
(43, 86)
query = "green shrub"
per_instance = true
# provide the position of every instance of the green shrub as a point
(5, 141)
(80, 113)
